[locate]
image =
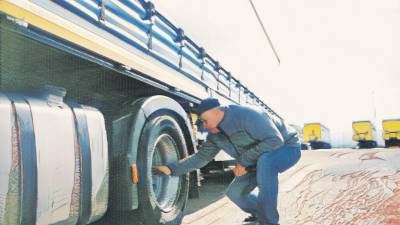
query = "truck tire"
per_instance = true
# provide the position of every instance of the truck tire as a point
(162, 199)
(392, 143)
(367, 144)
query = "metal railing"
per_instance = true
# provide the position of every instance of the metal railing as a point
(139, 24)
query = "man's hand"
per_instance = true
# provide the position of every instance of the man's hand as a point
(162, 170)
(239, 170)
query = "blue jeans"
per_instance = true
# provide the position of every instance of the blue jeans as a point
(257, 192)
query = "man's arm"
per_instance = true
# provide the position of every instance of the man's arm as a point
(261, 128)
(207, 151)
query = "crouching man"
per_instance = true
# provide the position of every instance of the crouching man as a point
(255, 139)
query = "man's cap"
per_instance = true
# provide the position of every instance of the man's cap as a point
(207, 104)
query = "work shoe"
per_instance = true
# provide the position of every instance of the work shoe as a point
(250, 218)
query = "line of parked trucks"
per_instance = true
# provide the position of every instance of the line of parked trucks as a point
(317, 136)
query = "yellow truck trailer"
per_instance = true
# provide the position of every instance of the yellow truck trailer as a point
(364, 132)
(391, 132)
(299, 129)
(317, 135)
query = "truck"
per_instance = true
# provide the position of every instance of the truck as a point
(93, 95)
(317, 135)
(299, 129)
(391, 132)
(364, 132)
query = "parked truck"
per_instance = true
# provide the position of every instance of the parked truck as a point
(391, 132)
(94, 94)
(299, 129)
(364, 132)
(317, 135)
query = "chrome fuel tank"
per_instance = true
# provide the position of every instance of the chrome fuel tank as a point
(53, 161)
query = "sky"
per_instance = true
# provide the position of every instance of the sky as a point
(340, 59)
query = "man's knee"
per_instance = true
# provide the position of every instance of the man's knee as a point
(266, 163)
(266, 157)
(233, 194)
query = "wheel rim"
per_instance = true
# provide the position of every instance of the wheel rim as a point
(165, 189)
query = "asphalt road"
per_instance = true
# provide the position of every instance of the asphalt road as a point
(213, 207)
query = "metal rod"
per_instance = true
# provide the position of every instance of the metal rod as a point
(265, 31)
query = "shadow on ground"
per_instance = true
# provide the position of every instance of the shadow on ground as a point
(213, 189)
